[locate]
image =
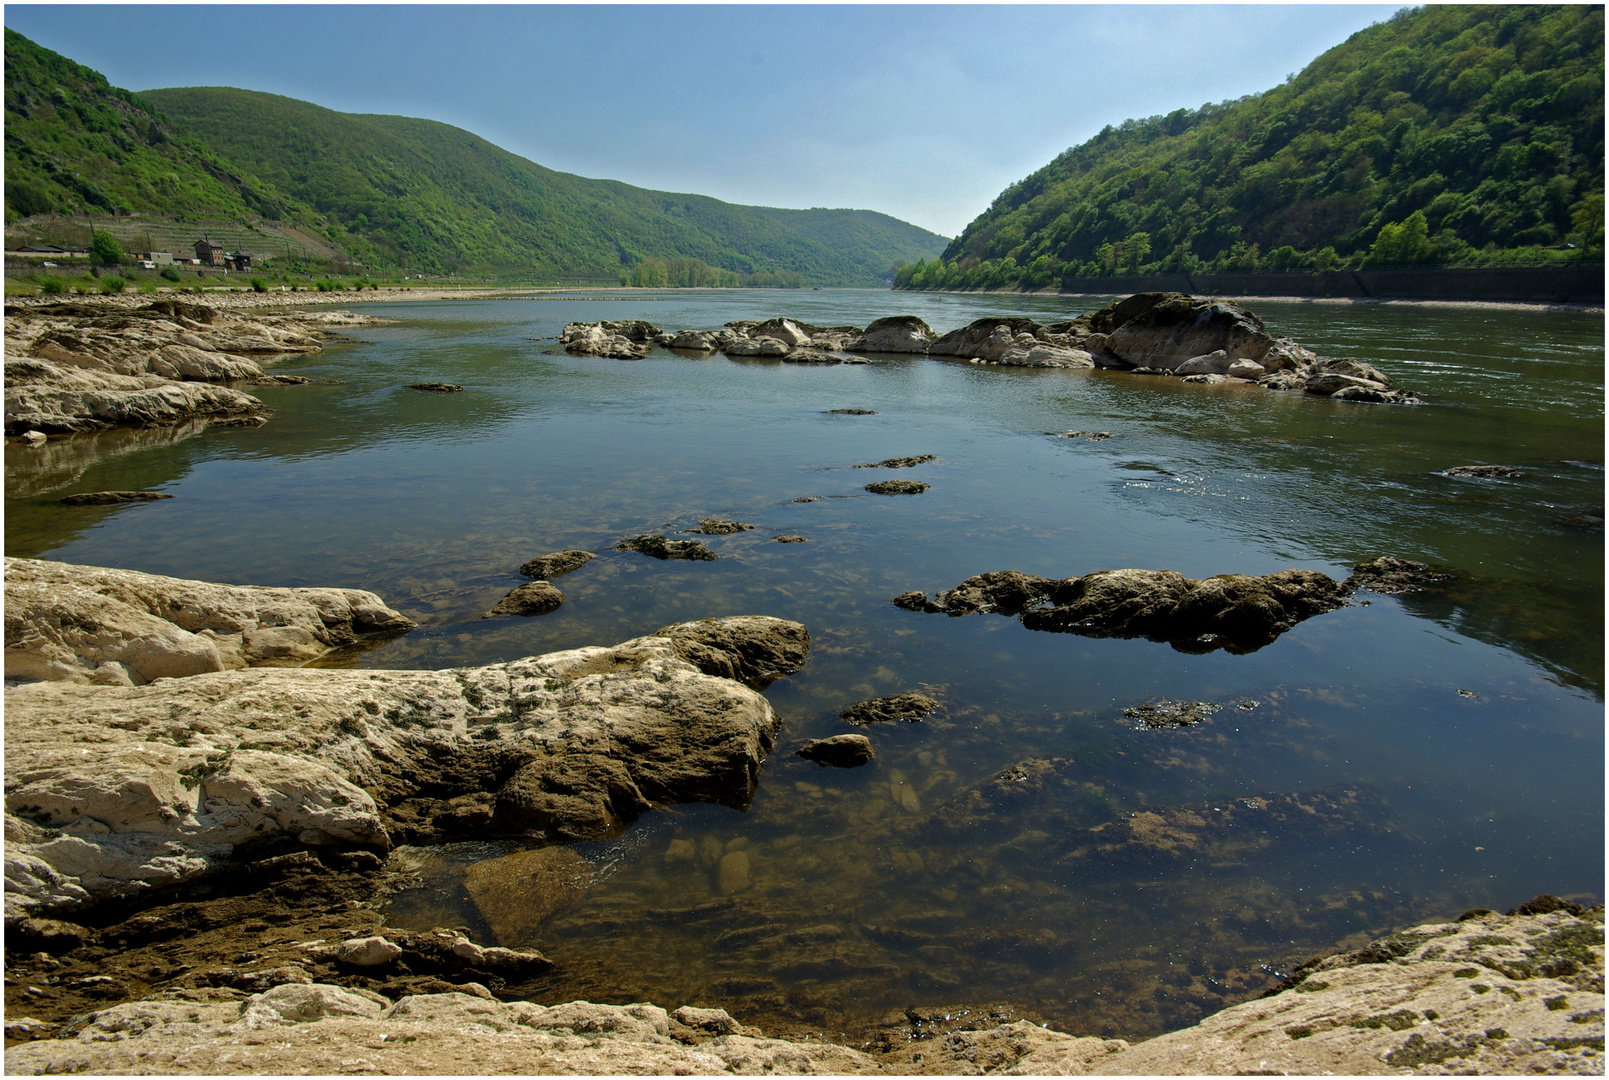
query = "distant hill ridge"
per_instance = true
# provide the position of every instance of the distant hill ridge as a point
(429, 194)
(1463, 135)
(388, 190)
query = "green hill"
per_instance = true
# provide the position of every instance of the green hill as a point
(75, 144)
(1448, 134)
(429, 195)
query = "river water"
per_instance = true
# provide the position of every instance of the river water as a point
(1446, 751)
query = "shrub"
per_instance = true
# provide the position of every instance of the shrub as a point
(170, 273)
(105, 249)
(82, 288)
(52, 285)
(259, 285)
(111, 284)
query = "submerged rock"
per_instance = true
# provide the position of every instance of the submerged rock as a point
(838, 751)
(852, 412)
(788, 538)
(437, 387)
(532, 598)
(656, 546)
(555, 564)
(897, 487)
(898, 462)
(908, 707)
(1171, 714)
(1485, 472)
(112, 498)
(1391, 576)
(720, 527)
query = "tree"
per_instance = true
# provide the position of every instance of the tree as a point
(105, 249)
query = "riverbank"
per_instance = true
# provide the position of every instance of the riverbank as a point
(203, 889)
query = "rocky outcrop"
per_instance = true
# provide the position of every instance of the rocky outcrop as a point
(1202, 340)
(62, 398)
(317, 1028)
(1512, 994)
(82, 366)
(112, 790)
(897, 487)
(124, 628)
(1484, 472)
(1489, 994)
(1235, 612)
(627, 339)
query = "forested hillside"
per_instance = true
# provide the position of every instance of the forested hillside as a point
(74, 144)
(1453, 135)
(430, 195)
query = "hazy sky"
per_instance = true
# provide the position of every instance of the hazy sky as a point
(925, 113)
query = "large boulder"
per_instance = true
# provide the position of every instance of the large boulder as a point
(895, 334)
(784, 330)
(112, 790)
(627, 339)
(986, 339)
(54, 398)
(1163, 330)
(122, 627)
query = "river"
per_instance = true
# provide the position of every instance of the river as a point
(1449, 746)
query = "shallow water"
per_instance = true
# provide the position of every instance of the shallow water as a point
(878, 888)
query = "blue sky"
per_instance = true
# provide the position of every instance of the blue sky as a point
(925, 113)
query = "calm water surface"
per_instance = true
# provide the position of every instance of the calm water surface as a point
(1454, 745)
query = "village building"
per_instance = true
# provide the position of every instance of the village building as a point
(209, 254)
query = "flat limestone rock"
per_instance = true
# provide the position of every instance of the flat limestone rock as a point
(658, 547)
(122, 627)
(84, 366)
(547, 567)
(532, 598)
(112, 498)
(112, 790)
(319, 1028)
(908, 707)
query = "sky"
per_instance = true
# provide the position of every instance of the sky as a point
(922, 112)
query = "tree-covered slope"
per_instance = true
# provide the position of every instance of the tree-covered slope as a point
(1446, 134)
(432, 195)
(75, 144)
